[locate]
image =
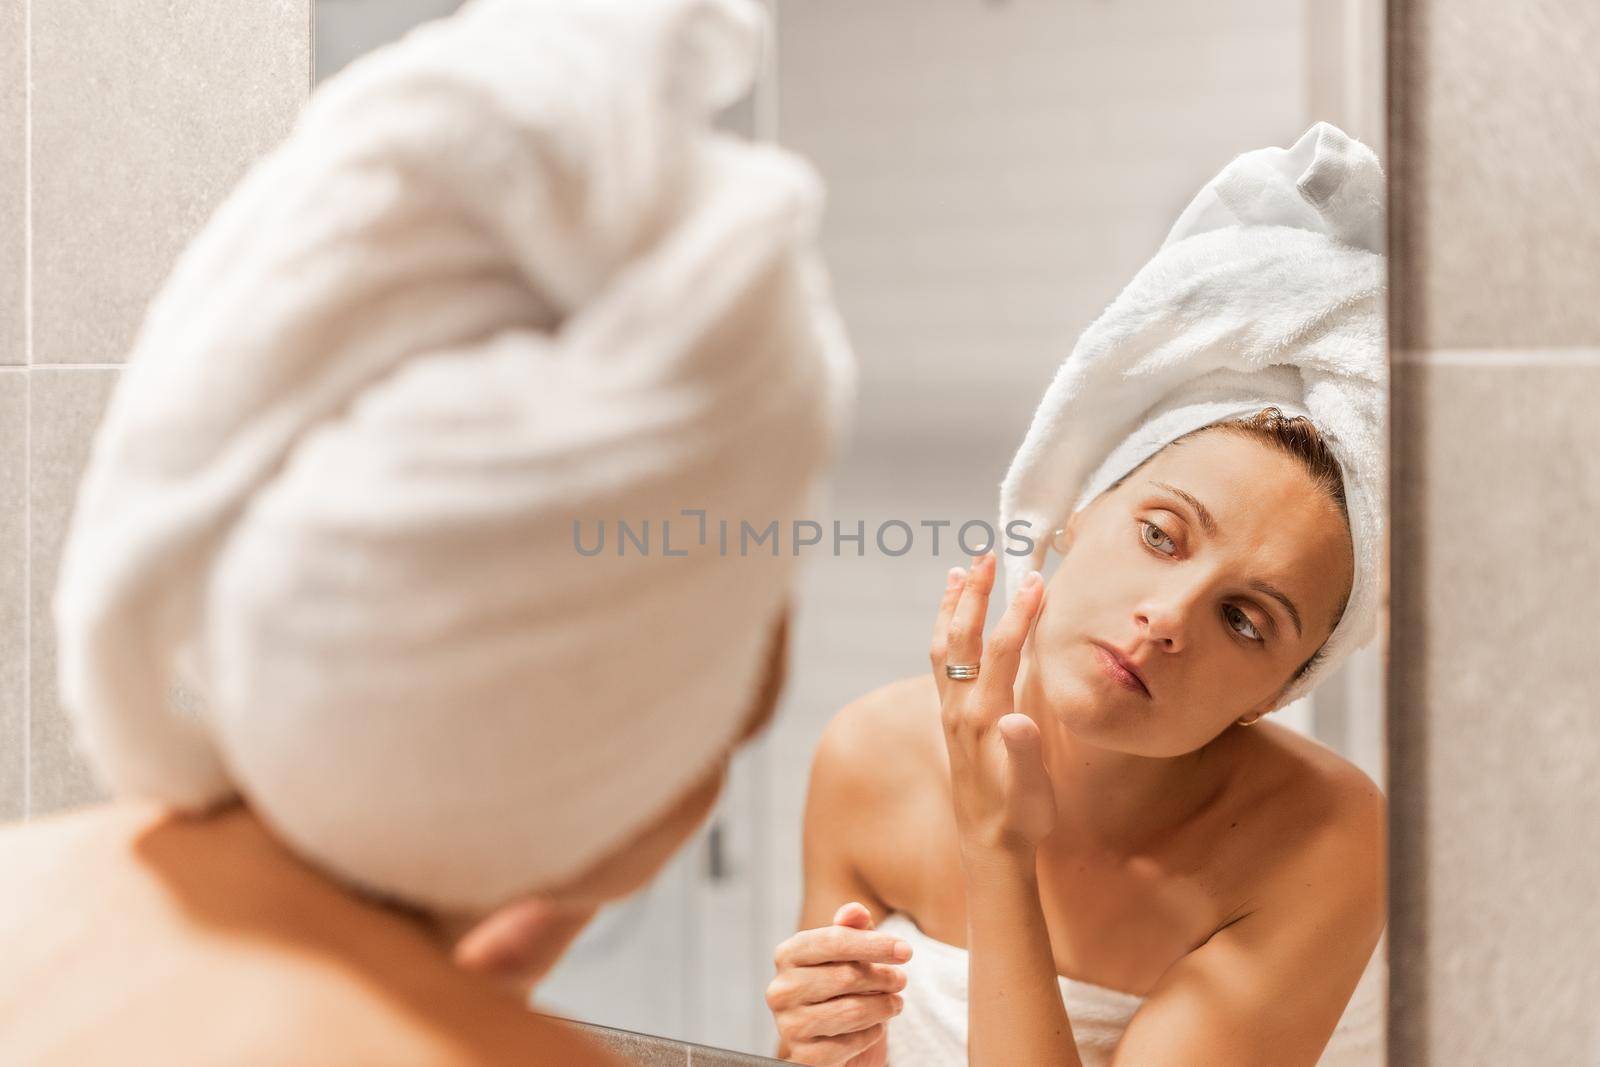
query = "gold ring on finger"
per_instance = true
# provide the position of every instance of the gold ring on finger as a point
(961, 672)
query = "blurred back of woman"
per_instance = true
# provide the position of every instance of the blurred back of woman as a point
(333, 629)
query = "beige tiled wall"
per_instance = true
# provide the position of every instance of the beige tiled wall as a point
(13, 592)
(144, 115)
(1499, 101)
(66, 406)
(13, 178)
(141, 116)
(1494, 714)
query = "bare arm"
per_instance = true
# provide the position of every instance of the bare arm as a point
(1015, 1011)
(836, 793)
(833, 965)
(1004, 806)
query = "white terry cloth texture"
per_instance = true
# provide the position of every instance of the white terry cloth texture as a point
(1269, 290)
(931, 1029)
(503, 277)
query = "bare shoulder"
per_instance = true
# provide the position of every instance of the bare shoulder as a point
(278, 960)
(1301, 843)
(1318, 787)
(874, 816)
(884, 741)
(1313, 818)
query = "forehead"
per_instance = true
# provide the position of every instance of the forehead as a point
(1266, 506)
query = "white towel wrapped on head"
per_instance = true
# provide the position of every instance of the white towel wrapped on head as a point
(501, 278)
(1269, 290)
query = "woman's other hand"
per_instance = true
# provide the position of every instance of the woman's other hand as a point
(1004, 802)
(836, 990)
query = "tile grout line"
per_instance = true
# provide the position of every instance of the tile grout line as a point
(27, 410)
(1572, 356)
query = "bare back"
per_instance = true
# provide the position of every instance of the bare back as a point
(136, 937)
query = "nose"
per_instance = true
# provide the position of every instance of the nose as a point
(1163, 618)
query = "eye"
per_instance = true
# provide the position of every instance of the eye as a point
(1144, 535)
(1253, 634)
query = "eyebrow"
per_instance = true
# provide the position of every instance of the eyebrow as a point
(1206, 518)
(1209, 522)
(1277, 594)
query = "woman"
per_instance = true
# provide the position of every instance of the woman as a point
(1077, 842)
(325, 631)
(137, 935)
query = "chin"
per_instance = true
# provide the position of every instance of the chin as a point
(1095, 712)
(1080, 699)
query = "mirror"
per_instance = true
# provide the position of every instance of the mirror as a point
(996, 173)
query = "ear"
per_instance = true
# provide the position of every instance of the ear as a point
(1271, 704)
(1062, 539)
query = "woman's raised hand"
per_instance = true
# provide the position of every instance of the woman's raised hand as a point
(836, 990)
(1003, 797)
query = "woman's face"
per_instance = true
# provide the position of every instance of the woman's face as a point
(1191, 608)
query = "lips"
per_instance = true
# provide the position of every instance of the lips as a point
(1120, 670)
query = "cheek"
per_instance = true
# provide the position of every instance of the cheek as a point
(1077, 607)
(1060, 619)
(1089, 594)
(1103, 566)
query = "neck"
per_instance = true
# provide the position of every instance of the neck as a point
(1118, 802)
(236, 858)
(234, 918)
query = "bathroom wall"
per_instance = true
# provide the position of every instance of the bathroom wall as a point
(122, 126)
(13, 412)
(1494, 722)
